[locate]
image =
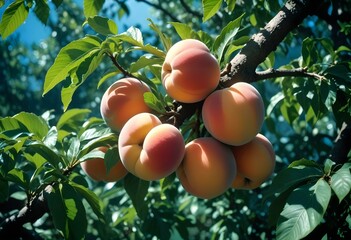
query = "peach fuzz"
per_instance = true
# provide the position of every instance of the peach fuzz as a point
(208, 168)
(255, 162)
(234, 115)
(122, 100)
(149, 149)
(190, 72)
(96, 169)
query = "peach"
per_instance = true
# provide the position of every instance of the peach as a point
(190, 72)
(234, 115)
(208, 168)
(255, 162)
(149, 149)
(95, 168)
(122, 100)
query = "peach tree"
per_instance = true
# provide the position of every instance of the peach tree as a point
(253, 118)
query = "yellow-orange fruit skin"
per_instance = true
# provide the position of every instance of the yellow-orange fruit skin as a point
(149, 149)
(190, 72)
(208, 168)
(234, 115)
(96, 169)
(122, 100)
(255, 163)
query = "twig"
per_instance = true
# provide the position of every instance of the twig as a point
(120, 68)
(159, 7)
(297, 72)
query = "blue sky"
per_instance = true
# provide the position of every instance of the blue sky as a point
(138, 14)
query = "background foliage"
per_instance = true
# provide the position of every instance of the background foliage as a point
(50, 121)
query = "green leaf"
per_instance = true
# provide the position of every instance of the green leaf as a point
(92, 7)
(152, 102)
(67, 211)
(103, 25)
(210, 8)
(15, 14)
(19, 177)
(230, 5)
(304, 162)
(292, 177)
(277, 206)
(328, 164)
(2, 3)
(79, 75)
(341, 181)
(47, 153)
(137, 189)
(72, 118)
(93, 200)
(304, 210)
(184, 30)
(69, 58)
(111, 73)
(111, 158)
(35, 124)
(165, 40)
(108, 139)
(226, 36)
(42, 10)
(145, 61)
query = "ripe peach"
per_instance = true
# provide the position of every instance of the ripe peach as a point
(122, 100)
(234, 115)
(208, 168)
(96, 169)
(190, 72)
(255, 162)
(149, 149)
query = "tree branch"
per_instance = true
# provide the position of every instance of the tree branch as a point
(162, 9)
(243, 66)
(275, 73)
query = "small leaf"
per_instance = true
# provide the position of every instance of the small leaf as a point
(230, 5)
(103, 25)
(69, 58)
(226, 36)
(71, 117)
(111, 158)
(152, 102)
(137, 190)
(15, 14)
(93, 200)
(19, 177)
(328, 164)
(108, 139)
(92, 7)
(304, 162)
(341, 182)
(42, 10)
(184, 30)
(210, 8)
(165, 40)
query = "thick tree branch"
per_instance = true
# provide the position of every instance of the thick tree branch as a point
(243, 66)
(275, 73)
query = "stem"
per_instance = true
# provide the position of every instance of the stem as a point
(120, 68)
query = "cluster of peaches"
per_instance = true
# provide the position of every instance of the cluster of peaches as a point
(233, 155)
